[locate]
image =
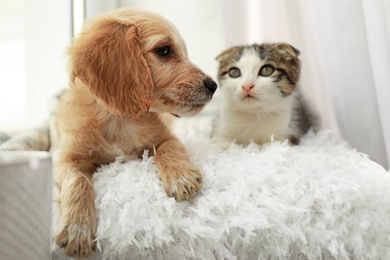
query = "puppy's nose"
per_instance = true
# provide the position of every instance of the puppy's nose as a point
(210, 84)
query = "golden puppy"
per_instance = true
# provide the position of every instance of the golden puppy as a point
(126, 67)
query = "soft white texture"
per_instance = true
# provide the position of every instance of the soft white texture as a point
(319, 200)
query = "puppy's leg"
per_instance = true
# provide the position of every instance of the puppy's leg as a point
(77, 226)
(180, 179)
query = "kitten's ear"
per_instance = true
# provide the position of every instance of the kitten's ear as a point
(289, 57)
(297, 52)
(289, 48)
(231, 52)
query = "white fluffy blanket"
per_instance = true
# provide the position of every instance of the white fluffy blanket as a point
(319, 200)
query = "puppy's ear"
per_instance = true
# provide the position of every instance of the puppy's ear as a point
(109, 60)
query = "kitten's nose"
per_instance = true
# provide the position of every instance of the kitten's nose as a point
(247, 88)
(210, 84)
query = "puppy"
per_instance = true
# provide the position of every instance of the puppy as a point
(126, 67)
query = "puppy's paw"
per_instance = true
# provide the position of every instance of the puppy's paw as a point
(78, 240)
(184, 184)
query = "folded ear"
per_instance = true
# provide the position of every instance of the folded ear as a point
(289, 48)
(230, 53)
(288, 55)
(109, 60)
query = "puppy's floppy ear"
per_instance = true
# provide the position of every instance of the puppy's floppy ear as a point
(109, 60)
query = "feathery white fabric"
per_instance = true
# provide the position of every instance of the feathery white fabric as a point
(319, 200)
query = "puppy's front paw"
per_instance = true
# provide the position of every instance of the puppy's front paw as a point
(78, 240)
(183, 182)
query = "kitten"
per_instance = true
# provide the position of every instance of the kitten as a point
(260, 99)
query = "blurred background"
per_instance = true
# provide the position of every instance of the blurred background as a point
(344, 44)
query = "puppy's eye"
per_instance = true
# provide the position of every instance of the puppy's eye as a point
(234, 72)
(164, 51)
(266, 71)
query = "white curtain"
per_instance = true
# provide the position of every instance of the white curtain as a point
(352, 40)
(345, 47)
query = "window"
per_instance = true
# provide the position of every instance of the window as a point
(34, 36)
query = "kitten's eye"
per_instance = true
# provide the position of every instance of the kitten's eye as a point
(164, 51)
(234, 72)
(266, 71)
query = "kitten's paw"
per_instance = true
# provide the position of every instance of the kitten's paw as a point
(183, 184)
(78, 240)
(222, 143)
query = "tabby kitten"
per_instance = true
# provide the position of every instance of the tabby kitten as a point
(260, 99)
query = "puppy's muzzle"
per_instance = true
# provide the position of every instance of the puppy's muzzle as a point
(210, 85)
